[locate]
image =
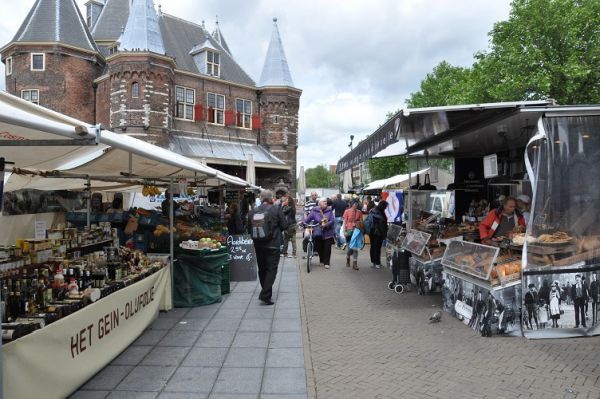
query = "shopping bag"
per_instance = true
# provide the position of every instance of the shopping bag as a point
(358, 240)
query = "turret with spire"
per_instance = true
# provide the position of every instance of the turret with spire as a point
(142, 32)
(52, 39)
(279, 105)
(218, 36)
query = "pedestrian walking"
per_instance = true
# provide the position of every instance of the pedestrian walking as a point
(323, 233)
(352, 219)
(378, 233)
(339, 207)
(289, 235)
(265, 224)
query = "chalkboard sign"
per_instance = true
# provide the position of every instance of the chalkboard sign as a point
(242, 258)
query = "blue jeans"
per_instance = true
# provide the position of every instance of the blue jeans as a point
(339, 238)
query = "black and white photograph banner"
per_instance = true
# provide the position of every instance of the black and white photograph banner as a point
(560, 304)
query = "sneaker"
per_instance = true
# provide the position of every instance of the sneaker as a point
(303, 256)
(377, 266)
(372, 265)
(283, 255)
(344, 246)
(326, 266)
(291, 256)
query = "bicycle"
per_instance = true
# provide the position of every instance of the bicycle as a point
(310, 246)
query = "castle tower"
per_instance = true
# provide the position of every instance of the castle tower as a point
(218, 35)
(279, 106)
(139, 78)
(53, 60)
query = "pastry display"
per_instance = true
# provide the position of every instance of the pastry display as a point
(519, 239)
(555, 238)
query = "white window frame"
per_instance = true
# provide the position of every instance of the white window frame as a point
(43, 62)
(37, 91)
(246, 116)
(213, 65)
(219, 113)
(8, 66)
(187, 106)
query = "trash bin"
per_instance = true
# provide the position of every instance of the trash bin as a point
(197, 277)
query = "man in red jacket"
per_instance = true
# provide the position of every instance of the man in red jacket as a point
(499, 222)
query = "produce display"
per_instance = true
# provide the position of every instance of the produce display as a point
(203, 244)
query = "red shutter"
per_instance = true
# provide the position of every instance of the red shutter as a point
(229, 117)
(198, 112)
(239, 119)
(211, 115)
(256, 122)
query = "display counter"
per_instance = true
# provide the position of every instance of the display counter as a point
(54, 361)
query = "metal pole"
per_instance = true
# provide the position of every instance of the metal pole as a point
(89, 201)
(171, 246)
(221, 202)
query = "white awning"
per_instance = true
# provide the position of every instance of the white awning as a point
(392, 181)
(115, 156)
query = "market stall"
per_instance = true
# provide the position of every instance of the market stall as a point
(66, 275)
(541, 282)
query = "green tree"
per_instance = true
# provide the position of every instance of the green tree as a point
(382, 168)
(320, 176)
(546, 49)
(446, 85)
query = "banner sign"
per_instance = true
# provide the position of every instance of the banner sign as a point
(242, 258)
(81, 344)
(387, 134)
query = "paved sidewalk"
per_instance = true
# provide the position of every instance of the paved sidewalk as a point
(366, 341)
(238, 348)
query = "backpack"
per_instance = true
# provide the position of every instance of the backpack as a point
(369, 223)
(262, 224)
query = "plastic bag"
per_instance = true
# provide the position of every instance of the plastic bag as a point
(358, 240)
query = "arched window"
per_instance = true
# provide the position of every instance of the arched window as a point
(135, 89)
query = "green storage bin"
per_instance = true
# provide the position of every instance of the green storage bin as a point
(197, 277)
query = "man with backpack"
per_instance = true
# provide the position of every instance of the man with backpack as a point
(266, 223)
(376, 227)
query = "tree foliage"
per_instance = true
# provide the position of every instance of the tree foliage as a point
(546, 49)
(382, 168)
(320, 176)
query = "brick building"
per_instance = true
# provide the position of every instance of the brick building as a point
(162, 79)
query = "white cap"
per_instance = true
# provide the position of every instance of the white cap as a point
(524, 198)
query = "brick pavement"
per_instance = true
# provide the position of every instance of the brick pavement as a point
(365, 341)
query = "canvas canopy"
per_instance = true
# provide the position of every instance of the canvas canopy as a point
(58, 146)
(392, 181)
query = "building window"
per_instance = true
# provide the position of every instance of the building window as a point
(243, 110)
(276, 119)
(135, 89)
(186, 98)
(212, 63)
(31, 95)
(113, 50)
(8, 66)
(38, 62)
(216, 108)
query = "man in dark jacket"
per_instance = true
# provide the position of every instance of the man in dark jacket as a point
(580, 295)
(595, 297)
(378, 233)
(267, 252)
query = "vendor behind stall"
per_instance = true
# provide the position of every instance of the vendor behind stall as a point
(501, 221)
(523, 202)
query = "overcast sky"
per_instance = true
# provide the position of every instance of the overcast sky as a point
(355, 60)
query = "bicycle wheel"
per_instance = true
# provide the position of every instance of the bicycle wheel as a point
(309, 255)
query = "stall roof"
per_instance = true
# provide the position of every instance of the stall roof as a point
(114, 155)
(436, 129)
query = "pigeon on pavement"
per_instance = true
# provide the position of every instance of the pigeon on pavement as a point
(437, 316)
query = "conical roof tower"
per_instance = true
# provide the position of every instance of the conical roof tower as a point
(56, 21)
(218, 36)
(142, 32)
(276, 71)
